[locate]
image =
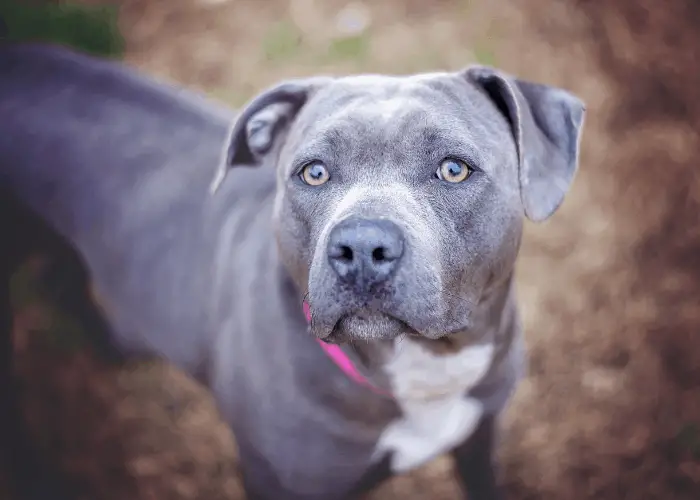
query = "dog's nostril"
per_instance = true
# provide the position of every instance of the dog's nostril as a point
(346, 253)
(365, 252)
(379, 254)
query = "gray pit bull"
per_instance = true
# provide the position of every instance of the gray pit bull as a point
(389, 208)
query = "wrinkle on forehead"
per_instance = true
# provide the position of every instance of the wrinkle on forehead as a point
(405, 129)
(361, 129)
(363, 118)
(366, 92)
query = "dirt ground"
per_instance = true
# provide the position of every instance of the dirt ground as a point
(610, 287)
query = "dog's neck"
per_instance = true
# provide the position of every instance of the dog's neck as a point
(376, 361)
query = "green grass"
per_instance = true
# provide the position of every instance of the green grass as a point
(484, 55)
(91, 29)
(282, 42)
(235, 98)
(349, 48)
(58, 329)
(688, 440)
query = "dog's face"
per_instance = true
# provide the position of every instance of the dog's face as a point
(400, 199)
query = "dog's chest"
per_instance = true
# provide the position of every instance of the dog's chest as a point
(431, 391)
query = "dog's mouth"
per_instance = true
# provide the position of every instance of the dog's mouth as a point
(368, 325)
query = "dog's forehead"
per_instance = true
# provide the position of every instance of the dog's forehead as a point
(411, 115)
(377, 107)
(386, 84)
(382, 96)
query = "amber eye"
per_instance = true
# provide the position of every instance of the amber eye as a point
(454, 171)
(315, 174)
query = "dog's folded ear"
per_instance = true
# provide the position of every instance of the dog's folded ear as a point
(263, 123)
(546, 123)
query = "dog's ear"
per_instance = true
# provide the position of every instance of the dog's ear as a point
(546, 123)
(263, 123)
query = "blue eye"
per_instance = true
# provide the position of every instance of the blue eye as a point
(454, 171)
(314, 174)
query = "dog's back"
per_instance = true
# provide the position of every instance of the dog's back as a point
(119, 165)
(68, 121)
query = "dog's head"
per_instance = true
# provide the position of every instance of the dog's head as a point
(400, 199)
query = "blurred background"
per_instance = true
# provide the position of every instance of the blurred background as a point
(610, 287)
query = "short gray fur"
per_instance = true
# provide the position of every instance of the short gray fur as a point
(198, 258)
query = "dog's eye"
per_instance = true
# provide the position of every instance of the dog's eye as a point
(454, 171)
(315, 173)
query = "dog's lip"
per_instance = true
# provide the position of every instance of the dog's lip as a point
(441, 334)
(403, 324)
(409, 330)
(330, 329)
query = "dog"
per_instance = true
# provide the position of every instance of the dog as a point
(335, 261)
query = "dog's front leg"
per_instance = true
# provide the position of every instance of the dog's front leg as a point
(475, 463)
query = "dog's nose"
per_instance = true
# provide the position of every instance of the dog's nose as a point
(365, 252)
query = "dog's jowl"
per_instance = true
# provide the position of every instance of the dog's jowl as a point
(350, 300)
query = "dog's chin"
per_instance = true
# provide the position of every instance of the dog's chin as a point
(368, 326)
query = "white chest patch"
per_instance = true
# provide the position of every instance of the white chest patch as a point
(431, 391)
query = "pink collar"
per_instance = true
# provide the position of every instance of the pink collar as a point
(342, 360)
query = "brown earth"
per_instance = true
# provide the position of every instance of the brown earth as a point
(610, 287)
